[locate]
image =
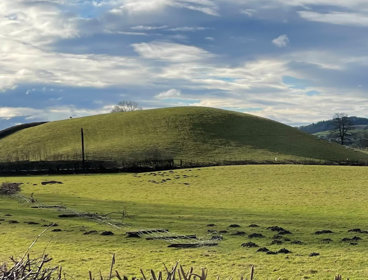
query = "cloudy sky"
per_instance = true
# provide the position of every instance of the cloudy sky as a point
(294, 61)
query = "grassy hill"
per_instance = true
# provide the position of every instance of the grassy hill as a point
(187, 133)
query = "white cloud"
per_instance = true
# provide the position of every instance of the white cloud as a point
(341, 18)
(132, 7)
(343, 12)
(291, 106)
(167, 28)
(170, 52)
(171, 93)
(140, 6)
(149, 28)
(50, 113)
(64, 112)
(22, 63)
(188, 28)
(304, 110)
(29, 30)
(12, 112)
(281, 41)
(35, 22)
(248, 12)
(323, 59)
(205, 6)
(349, 4)
(254, 74)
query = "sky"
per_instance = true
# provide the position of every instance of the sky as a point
(293, 61)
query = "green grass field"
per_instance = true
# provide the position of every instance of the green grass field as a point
(196, 134)
(301, 199)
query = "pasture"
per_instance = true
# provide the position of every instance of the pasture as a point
(303, 200)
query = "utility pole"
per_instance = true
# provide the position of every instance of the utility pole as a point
(82, 138)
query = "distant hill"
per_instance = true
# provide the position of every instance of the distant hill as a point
(195, 134)
(13, 129)
(357, 135)
(329, 125)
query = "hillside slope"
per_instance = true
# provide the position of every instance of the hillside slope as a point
(187, 133)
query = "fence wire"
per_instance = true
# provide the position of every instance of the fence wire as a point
(149, 234)
(175, 238)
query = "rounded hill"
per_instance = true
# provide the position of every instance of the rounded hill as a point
(193, 134)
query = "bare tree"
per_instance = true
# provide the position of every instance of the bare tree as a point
(342, 126)
(126, 106)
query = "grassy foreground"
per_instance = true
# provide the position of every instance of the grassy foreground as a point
(195, 134)
(301, 199)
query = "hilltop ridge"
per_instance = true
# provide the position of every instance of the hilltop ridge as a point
(189, 133)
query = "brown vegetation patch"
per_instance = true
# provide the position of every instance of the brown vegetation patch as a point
(7, 188)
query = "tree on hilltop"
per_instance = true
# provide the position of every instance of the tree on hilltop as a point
(126, 106)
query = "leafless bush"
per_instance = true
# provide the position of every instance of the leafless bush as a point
(30, 269)
(37, 269)
(9, 188)
(126, 106)
(175, 273)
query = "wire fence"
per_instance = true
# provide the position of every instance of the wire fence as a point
(174, 239)
(110, 166)
(177, 240)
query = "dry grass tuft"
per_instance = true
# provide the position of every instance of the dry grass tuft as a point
(7, 188)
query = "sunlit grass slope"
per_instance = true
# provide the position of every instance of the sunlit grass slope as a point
(188, 133)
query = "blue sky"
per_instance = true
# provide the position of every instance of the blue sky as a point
(294, 61)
